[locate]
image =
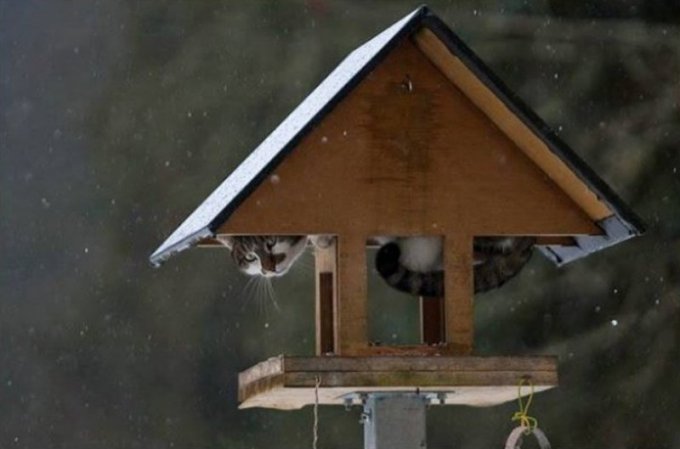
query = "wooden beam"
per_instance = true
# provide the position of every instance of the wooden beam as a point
(326, 298)
(473, 363)
(406, 350)
(289, 382)
(541, 240)
(459, 292)
(351, 328)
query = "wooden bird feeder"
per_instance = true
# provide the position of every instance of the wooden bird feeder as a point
(411, 135)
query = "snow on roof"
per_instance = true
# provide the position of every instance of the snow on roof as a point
(198, 225)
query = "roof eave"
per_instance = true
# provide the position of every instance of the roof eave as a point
(615, 230)
(164, 253)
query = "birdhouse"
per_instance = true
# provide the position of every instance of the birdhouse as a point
(411, 135)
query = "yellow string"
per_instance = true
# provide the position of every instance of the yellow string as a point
(522, 415)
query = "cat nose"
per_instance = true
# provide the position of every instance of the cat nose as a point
(268, 264)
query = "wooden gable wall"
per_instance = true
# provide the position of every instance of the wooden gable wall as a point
(407, 153)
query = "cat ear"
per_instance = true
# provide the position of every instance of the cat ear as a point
(226, 240)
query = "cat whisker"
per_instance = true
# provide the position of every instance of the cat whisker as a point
(272, 295)
(305, 263)
(264, 297)
(247, 292)
(261, 305)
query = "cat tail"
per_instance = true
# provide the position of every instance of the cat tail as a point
(497, 269)
(403, 279)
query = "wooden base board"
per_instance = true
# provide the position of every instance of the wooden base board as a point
(288, 382)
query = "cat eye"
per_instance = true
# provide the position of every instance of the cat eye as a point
(250, 258)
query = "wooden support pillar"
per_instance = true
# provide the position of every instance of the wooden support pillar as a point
(351, 329)
(432, 320)
(326, 297)
(459, 293)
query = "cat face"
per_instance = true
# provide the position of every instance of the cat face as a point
(266, 256)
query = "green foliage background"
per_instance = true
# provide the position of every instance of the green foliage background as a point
(118, 118)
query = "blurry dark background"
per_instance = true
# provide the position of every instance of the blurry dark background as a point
(119, 117)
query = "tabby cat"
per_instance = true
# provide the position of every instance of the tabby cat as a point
(410, 264)
(265, 255)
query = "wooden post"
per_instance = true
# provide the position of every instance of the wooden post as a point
(432, 320)
(459, 292)
(351, 329)
(326, 297)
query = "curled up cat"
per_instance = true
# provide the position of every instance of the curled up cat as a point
(410, 264)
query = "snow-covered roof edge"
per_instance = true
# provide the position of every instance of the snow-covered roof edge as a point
(223, 200)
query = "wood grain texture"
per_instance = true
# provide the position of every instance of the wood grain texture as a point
(459, 292)
(472, 363)
(387, 161)
(351, 325)
(286, 383)
(456, 71)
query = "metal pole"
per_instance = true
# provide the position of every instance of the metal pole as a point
(394, 421)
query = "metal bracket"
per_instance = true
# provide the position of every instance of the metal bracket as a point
(394, 420)
(430, 397)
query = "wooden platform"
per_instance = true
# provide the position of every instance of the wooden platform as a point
(288, 382)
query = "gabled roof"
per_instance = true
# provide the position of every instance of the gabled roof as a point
(220, 204)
